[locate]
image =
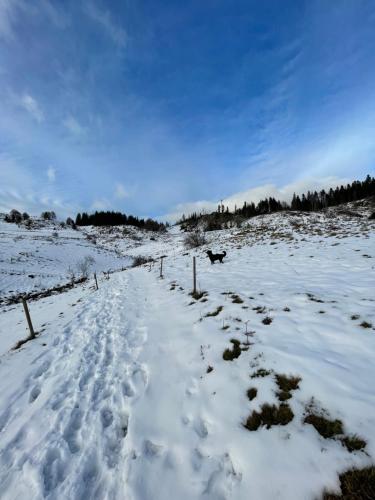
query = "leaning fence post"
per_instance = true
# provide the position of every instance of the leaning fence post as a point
(161, 266)
(96, 281)
(27, 314)
(194, 276)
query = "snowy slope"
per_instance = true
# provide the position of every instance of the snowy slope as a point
(115, 399)
(41, 258)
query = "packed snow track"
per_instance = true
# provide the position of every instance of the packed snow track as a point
(65, 426)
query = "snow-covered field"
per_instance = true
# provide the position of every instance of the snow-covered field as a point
(125, 393)
(37, 259)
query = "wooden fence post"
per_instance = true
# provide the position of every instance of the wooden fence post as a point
(194, 276)
(96, 281)
(27, 314)
(161, 267)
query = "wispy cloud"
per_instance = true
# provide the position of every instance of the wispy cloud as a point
(34, 202)
(120, 192)
(7, 16)
(23, 189)
(73, 126)
(105, 20)
(100, 204)
(51, 174)
(31, 105)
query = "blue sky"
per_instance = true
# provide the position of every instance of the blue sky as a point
(154, 107)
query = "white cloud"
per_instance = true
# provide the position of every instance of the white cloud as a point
(7, 14)
(105, 20)
(284, 193)
(34, 203)
(31, 106)
(74, 127)
(101, 204)
(51, 174)
(24, 190)
(120, 192)
(55, 13)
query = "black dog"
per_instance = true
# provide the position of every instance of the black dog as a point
(216, 256)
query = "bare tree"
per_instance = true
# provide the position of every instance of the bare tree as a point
(194, 240)
(85, 265)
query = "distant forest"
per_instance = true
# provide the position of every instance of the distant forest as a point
(309, 202)
(118, 219)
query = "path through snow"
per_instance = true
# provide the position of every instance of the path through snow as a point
(65, 425)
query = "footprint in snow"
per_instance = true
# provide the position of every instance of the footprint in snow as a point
(152, 450)
(122, 429)
(42, 368)
(139, 378)
(193, 388)
(201, 428)
(128, 389)
(106, 416)
(223, 477)
(72, 429)
(54, 470)
(35, 391)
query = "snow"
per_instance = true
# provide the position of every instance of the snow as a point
(37, 259)
(113, 398)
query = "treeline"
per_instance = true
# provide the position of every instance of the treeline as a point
(118, 219)
(309, 202)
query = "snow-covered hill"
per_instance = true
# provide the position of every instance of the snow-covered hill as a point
(48, 255)
(141, 391)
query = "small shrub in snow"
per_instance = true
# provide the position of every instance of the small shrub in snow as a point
(84, 265)
(139, 260)
(14, 216)
(237, 299)
(268, 416)
(261, 373)
(286, 385)
(198, 294)
(353, 443)
(366, 324)
(235, 352)
(252, 393)
(333, 429)
(259, 309)
(267, 320)
(70, 222)
(214, 313)
(355, 484)
(326, 427)
(194, 240)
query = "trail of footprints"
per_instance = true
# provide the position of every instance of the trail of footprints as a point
(93, 388)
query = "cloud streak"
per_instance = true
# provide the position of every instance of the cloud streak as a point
(120, 192)
(32, 106)
(51, 174)
(73, 126)
(104, 19)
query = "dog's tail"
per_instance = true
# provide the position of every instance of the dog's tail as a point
(224, 253)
